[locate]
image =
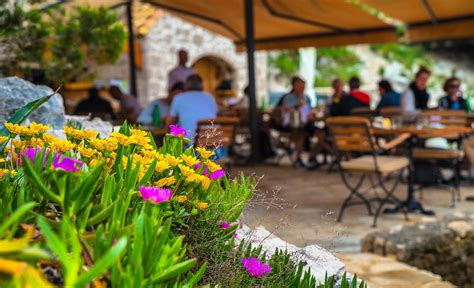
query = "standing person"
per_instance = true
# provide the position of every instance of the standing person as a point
(129, 107)
(355, 99)
(388, 96)
(96, 106)
(338, 93)
(181, 72)
(296, 101)
(163, 104)
(453, 100)
(191, 106)
(416, 97)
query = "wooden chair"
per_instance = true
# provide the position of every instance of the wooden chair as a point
(365, 112)
(217, 132)
(391, 112)
(352, 136)
(445, 158)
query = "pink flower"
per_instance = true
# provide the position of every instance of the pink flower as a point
(199, 165)
(217, 174)
(224, 225)
(255, 268)
(66, 163)
(236, 235)
(155, 194)
(177, 131)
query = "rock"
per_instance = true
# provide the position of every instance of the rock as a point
(460, 227)
(16, 92)
(318, 259)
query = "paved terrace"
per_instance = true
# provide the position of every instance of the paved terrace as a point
(305, 205)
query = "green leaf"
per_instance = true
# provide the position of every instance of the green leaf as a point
(103, 264)
(35, 178)
(174, 271)
(21, 114)
(15, 217)
(196, 277)
(148, 173)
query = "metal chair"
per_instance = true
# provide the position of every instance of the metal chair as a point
(217, 132)
(358, 153)
(445, 158)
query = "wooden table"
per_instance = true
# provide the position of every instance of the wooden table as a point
(452, 133)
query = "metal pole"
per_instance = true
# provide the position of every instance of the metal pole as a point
(131, 50)
(250, 45)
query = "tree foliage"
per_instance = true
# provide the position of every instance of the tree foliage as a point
(65, 44)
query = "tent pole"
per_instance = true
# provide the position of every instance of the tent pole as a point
(131, 50)
(250, 45)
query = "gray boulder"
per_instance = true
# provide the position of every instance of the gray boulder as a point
(16, 92)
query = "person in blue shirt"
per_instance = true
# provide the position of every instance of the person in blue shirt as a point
(453, 100)
(191, 106)
(389, 97)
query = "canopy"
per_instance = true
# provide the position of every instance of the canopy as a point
(287, 24)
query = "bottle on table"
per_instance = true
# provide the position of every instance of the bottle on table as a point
(156, 117)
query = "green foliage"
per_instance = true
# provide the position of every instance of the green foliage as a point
(286, 62)
(64, 44)
(335, 62)
(409, 56)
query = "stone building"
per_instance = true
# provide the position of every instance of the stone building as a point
(214, 57)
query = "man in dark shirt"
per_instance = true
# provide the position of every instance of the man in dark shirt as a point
(96, 106)
(354, 99)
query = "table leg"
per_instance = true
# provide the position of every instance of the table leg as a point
(410, 204)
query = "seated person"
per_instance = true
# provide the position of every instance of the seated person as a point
(453, 100)
(189, 107)
(96, 106)
(388, 96)
(416, 96)
(146, 117)
(129, 107)
(354, 99)
(296, 101)
(338, 87)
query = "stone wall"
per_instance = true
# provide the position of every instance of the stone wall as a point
(159, 49)
(444, 247)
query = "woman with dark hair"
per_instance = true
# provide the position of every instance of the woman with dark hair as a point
(453, 100)
(388, 96)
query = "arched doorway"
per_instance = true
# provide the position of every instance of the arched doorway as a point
(214, 71)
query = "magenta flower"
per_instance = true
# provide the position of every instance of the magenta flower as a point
(155, 194)
(66, 163)
(217, 174)
(199, 165)
(177, 131)
(255, 268)
(224, 225)
(31, 153)
(236, 235)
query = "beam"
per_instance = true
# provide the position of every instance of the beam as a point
(428, 10)
(250, 45)
(131, 50)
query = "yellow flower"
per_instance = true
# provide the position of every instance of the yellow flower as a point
(19, 144)
(121, 139)
(86, 133)
(161, 166)
(3, 139)
(17, 129)
(190, 160)
(205, 154)
(36, 142)
(104, 144)
(140, 137)
(149, 153)
(88, 152)
(93, 162)
(62, 145)
(37, 128)
(3, 160)
(160, 157)
(201, 206)
(4, 172)
(205, 182)
(186, 171)
(212, 166)
(49, 139)
(181, 199)
(168, 181)
(79, 134)
(173, 161)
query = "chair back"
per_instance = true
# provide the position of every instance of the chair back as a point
(450, 118)
(391, 112)
(351, 134)
(365, 112)
(216, 132)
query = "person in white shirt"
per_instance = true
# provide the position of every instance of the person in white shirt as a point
(181, 72)
(146, 117)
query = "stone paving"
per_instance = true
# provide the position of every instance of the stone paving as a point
(301, 206)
